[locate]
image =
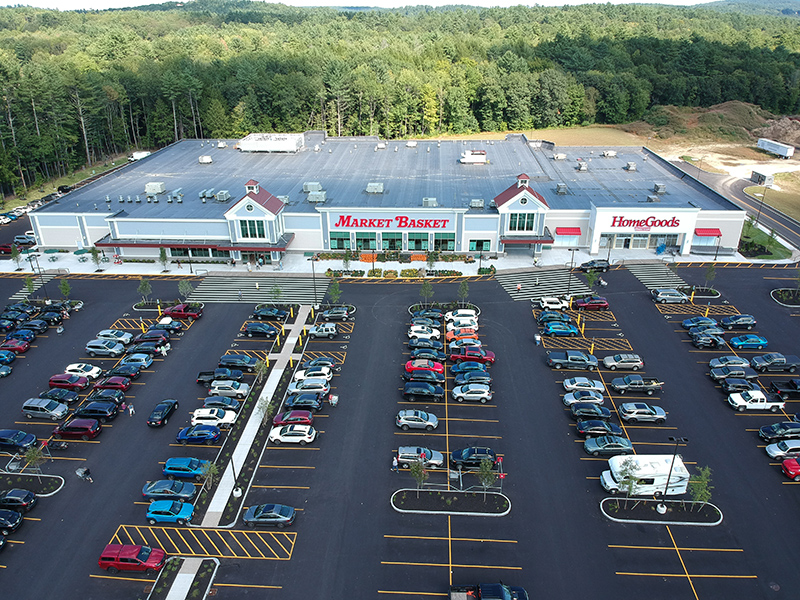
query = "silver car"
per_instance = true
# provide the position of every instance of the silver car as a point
(115, 335)
(229, 388)
(583, 396)
(416, 419)
(784, 449)
(583, 383)
(104, 348)
(474, 392)
(633, 412)
(44, 408)
(728, 361)
(313, 385)
(633, 362)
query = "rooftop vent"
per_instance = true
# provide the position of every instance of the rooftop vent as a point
(179, 199)
(411, 144)
(559, 156)
(155, 199)
(609, 153)
(631, 166)
(660, 188)
(317, 197)
(169, 199)
(492, 204)
(380, 146)
(121, 199)
(312, 186)
(476, 203)
(583, 166)
(108, 198)
(375, 187)
(430, 202)
(210, 193)
(653, 199)
(561, 189)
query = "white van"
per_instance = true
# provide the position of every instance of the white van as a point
(665, 295)
(650, 473)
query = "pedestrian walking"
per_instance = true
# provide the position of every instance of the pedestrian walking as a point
(123, 407)
(179, 263)
(240, 294)
(131, 410)
(395, 465)
(519, 287)
(163, 350)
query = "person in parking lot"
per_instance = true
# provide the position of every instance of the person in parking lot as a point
(395, 465)
(131, 410)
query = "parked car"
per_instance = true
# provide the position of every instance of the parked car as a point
(315, 372)
(238, 361)
(728, 361)
(560, 329)
(596, 427)
(185, 311)
(471, 353)
(634, 412)
(607, 445)
(17, 499)
(708, 341)
(738, 322)
(461, 313)
(749, 342)
(424, 365)
(583, 383)
(461, 334)
(409, 454)
(430, 313)
(84, 370)
(169, 489)
(735, 384)
(420, 390)
(546, 316)
(293, 434)
(38, 326)
(170, 511)
(149, 348)
(24, 240)
(463, 343)
(697, 322)
(162, 412)
(217, 417)
(104, 348)
(167, 324)
(44, 408)
(15, 346)
(473, 392)
(69, 382)
(109, 395)
(427, 376)
(10, 520)
(60, 395)
(7, 357)
(632, 362)
(113, 383)
(429, 354)
(320, 361)
(141, 360)
(421, 332)
(787, 430)
(122, 370)
(226, 387)
(600, 264)
(420, 343)
(307, 401)
(144, 559)
(185, 468)
(103, 411)
(269, 515)
(323, 330)
(583, 396)
(416, 419)
(260, 329)
(589, 411)
(467, 367)
(52, 317)
(553, 303)
(471, 458)
(706, 330)
(337, 313)
(199, 434)
(15, 441)
(78, 429)
(317, 386)
(668, 295)
(424, 322)
(477, 376)
(221, 402)
(293, 417)
(6, 325)
(784, 449)
(26, 335)
(265, 313)
(592, 303)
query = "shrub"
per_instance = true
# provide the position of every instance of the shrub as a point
(390, 274)
(375, 273)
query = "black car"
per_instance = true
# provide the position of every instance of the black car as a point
(587, 410)
(337, 313)
(269, 515)
(426, 376)
(115, 396)
(53, 318)
(596, 427)
(423, 343)
(149, 348)
(238, 361)
(10, 520)
(429, 354)
(221, 402)
(162, 412)
(268, 314)
(152, 335)
(595, 265)
(473, 377)
(320, 361)
(18, 500)
(738, 322)
(307, 401)
(470, 458)
(6, 325)
(14, 316)
(131, 371)
(103, 411)
(260, 329)
(708, 341)
(734, 384)
(37, 325)
(28, 309)
(61, 395)
(788, 430)
(420, 390)
(169, 325)
(14, 440)
(552, 315)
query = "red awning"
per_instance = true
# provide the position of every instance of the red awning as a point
(709, 232)
(568, 230)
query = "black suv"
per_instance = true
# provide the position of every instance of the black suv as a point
(307, 401)
(595, 265)
(103, 411)
(420, 390)
(102, 395)
(238, 361)
(738, 322)
(470, 458)
(426, 376)
(339, 313)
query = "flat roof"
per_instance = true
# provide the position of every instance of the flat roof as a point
(409, 172)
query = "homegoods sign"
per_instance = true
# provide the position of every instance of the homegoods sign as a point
(392, 222)
(645, 224)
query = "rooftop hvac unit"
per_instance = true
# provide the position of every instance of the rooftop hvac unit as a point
(492, 204)
(317, 197)
(121, 199)
(210, 193)
(316, 147)
(660, 188)
(653, 199)
(375, 187)
(631, 166)
(154, 187)
(559, 157)
(205, 160)
(138, 200)
(312, 186)
(609, 153)
(380, 146)
(223, 196)
(412, 144)
(561, 189)
(177, 192)
(149, 199)
(284, 199)
(429, 202)
(476, 203)
(201, 194)
(583, 166)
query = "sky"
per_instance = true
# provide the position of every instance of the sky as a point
(105, 4)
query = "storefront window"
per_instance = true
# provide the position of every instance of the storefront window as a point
(480, 245)
(640, 240)
(392, 241)
(365, 241)
(340, 241)
(417, 241)
(252, 229)
(622, 241)
(444, 241)
(178, 252)
(220, 253)
(522, 222)
(199, 252)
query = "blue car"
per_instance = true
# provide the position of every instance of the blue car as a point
(198, 434)
(22, 334)
(184, 468)
(429, 354)
(142, 360)
(697, 321)
(170, 511)
(5, 371)
(558, 328)
(749, 341)
(7, 357)
(466, 367)
(6, 325)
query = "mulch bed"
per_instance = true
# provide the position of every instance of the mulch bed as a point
(645, 510)
(450, 501)
(790, 297)
(47, 485)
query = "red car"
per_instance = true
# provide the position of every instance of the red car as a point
(421, 364)
(472, 354)
(69, 381)
(16, 346)
(117, 558)
(593, 303)
(184, 311)
(78, 429)
(113, 383)
(6, 248)
(791, 468)
(294, 417)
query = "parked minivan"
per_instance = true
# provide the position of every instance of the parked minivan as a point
(104, 348)
(668, 295)
(44, 408)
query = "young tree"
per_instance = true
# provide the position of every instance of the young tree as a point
(34, 457)
(95, 256)
(591, 278)
(275, 293)
(627, 481)
(145, 289)
(419, 473)
(426, 291)
(463, 292)
(29, 285)
(162, 257)
(431, 259)
(711, 273)
(772, 240)
(185, 288)
(700, 485)
(16, 256)
(487, 475)
(346, 260)
(210, 474)
(334, 292)
(261, 370)
(65, 288)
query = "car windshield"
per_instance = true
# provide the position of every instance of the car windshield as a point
(194, 463)
(144, 553)
(18, 437)
(176, 507)
(783, 446)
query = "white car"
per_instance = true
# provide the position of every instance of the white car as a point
(229, 388)
(463, 342)
(84, 369)
(589, 396)
(313, 385)
(553, 303)
(115, 335)
(583, 383)
(463, 324)
(217, 417)
(293, 434)
(421, 332)
(474, 392)
(461, 313)
(316, 372)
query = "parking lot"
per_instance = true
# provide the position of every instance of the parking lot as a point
(347, 541)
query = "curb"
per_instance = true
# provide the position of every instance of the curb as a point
(447, 512)
(776, 301)
(641, 522)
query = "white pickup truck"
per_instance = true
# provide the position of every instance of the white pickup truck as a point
(755, 400)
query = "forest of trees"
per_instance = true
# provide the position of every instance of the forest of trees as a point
(78, 87)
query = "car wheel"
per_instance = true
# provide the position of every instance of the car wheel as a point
(632, 420)
(557, 365)
(85, 438)
(634, 368)
(741, 409)
(249, 334)
(276, 441)
(151, 521)
(404, 427)
(659, 421)
(657, 494)
(184, 442)
(429, 428)
(150, 572)
(774, 409)
(573, 335)
(92, 354)
(792, 369)
(459, 398)
(749, 327)
(613, 492)
(595, 453)
(209, 442)
(796, 478)
(281, 525)
(196, 478)
(303, 442)
(649, 392)
(683, 301)
(312, 336)
(103, 420)
(330, 337)
(181, 522)
(483, 400)
(760, 347)
(112, 570)
(240, 396)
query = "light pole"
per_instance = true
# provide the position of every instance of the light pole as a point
(761, 204)
(677, 441)
(480, 259)
(716, 253)
(571, 263)
(314, 259)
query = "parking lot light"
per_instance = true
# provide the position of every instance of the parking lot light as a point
(662, 508)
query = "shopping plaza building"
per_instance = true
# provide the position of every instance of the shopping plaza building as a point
(269, 194)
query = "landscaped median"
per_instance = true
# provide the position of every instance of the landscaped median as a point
(672, 512)
(451, 502)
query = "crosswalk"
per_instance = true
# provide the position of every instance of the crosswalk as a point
(38, 282)
(656, 275)
(250, 289)
(538, 283)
